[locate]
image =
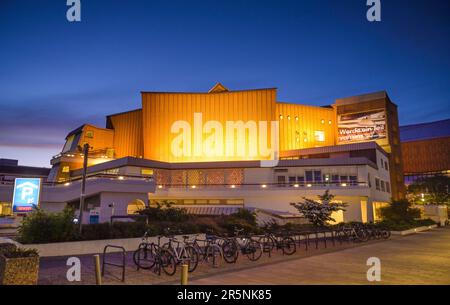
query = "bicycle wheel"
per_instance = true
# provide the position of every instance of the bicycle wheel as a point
(267, 243)
(145, 257)
(385, 234)
(230, 251)
(213, 255)
(167, 262)
(288, 245)
(253, 250)
(191, 257)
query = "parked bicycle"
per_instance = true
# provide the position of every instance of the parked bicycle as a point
(182, 252)
(243, 244)
(277, 241)
(150, 254)
(208, 249)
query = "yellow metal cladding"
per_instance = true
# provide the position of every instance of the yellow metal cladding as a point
(302, 126)
(161, 110)
(97, 138)
(128, 136)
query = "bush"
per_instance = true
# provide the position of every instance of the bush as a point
(20, 252)
(404, 225)
(399, 211)
(42, 227)
(165, 212)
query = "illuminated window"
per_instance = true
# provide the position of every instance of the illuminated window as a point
(89, 134)
(66, 169)
(319, 136)
(146, 172)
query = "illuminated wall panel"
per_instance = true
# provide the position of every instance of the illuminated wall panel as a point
(128, 137)
(161, 110)
(300, 126)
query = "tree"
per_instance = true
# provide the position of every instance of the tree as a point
(430, 190)
(318, 212)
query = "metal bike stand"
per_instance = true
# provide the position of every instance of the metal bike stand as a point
(114, 264)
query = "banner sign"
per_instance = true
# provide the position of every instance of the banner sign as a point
(26, 194)
(362, 126)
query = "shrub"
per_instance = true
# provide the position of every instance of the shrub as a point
(42, 227)
(20, 252)
(165, 212)
(399, 210)
(404, 225)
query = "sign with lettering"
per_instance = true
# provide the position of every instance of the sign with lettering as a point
(362, 126)
(26, 194)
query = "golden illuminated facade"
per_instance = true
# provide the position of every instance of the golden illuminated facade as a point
(198, 127)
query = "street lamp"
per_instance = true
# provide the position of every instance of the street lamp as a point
(83, 185)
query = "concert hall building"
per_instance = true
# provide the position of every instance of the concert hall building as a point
(212, 152)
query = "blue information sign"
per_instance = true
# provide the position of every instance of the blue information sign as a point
(26, 194)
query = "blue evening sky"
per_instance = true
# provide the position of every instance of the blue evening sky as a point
(56, 75)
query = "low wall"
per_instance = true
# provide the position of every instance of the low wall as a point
(92, 246)
(414, 230)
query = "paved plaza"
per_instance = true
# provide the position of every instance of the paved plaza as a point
(422, 258)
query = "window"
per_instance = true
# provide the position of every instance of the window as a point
(291, 180)
(146, 172)
(343, 178)
(301, 180)
(89, 134)
(377, 183)
(382, 163)
(382, 186)
(319, 136)
(309, 176)
(335, 178)
(353, 180)
(369, 182)
(281, 180)
(386, 165)
(388, 187)
(66, 169)
(317, 176)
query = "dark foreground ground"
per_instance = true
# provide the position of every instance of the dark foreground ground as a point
(422, 258)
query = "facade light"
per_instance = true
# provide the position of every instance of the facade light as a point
(296, 185)
(289, 117)
(160, 186)
(120, 178)
(233, 186)
(281, 116)
(296, 118)
(322, 121)
(329, 122)
(264, 186)
(309, 185)
(67, 183)
(344, 184)
(194, 186)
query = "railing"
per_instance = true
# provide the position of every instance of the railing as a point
(262, 186)
(88, 178)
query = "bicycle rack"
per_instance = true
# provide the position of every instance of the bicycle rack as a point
(114, 264)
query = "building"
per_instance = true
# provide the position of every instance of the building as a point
(425, 150)
(215, 150)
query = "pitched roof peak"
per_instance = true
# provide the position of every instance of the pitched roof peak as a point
(218, 88)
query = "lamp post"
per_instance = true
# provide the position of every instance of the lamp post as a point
(83, 186)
